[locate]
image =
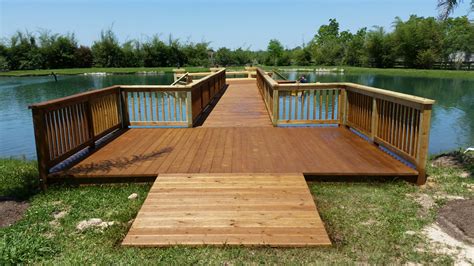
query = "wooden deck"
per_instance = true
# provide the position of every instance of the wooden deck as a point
(237, 137)
(228, 209)
(241, 105)
(312, 151)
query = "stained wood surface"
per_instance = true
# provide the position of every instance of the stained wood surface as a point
(241, 105)
(316, 151)
(228, 209)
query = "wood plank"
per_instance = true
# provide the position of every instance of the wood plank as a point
(209, 217)
(320, 151)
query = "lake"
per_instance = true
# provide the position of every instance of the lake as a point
(452, 123)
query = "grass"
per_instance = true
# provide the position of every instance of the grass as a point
(352, 70)
(427, 73)
(77, 71)
(366, 221)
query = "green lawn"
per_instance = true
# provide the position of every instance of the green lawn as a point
(76, 71)
(394, 71)
(366, 221)
(352, 70)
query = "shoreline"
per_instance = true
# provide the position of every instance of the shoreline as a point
(428, 73)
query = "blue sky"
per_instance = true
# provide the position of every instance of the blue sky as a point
(230, 23)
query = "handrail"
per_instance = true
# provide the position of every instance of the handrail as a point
(397, 121)
(279, 74)
(180, 79)
(70, 124)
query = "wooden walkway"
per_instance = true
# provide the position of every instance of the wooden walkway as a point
(228, 209)
(241, 105)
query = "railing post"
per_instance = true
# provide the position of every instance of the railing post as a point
(177, 72)
(42, 150)
(342, 106)
(90, 123)
(275, 110)
(374, 122)
(424, 137)
(189, 79)
(189, 108)
(124, 108)
(345, 108)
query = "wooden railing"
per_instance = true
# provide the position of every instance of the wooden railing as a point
(396, 121)
(155, 105)
(266, 87)
(309, 103)
(68, 125)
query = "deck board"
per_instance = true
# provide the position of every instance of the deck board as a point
(226, 209)
(312, 151)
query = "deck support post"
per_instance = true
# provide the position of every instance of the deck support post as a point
(275, 110)
(42, 150)
(424, 137)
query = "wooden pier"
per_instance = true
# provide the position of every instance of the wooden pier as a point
(218, 137)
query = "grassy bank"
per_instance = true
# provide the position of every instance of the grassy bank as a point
(367, 223)
(393, 71)
(350, 70)
(77, 71)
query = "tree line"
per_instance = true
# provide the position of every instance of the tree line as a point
(417, 42)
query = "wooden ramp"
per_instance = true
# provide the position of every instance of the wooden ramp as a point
(228, 209)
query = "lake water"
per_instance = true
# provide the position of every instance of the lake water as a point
(452, 118)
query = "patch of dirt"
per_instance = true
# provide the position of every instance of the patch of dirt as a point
(11, 211)
(457, 219)
(442, 243)
(453, 159)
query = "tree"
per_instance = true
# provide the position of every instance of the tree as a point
(83, 57)
(198, 54)
(242, 56)
(176, 55)
(326, 46)
(274, 52)
(224, 57)
(57, 50)
(458, 40)
(155, 53)
(417, 38)
(132, 54)
(446, 7)
(380, 49)
(302, 56)
(24, 52)
(3, 58)
(106, 51)
(354, 49)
